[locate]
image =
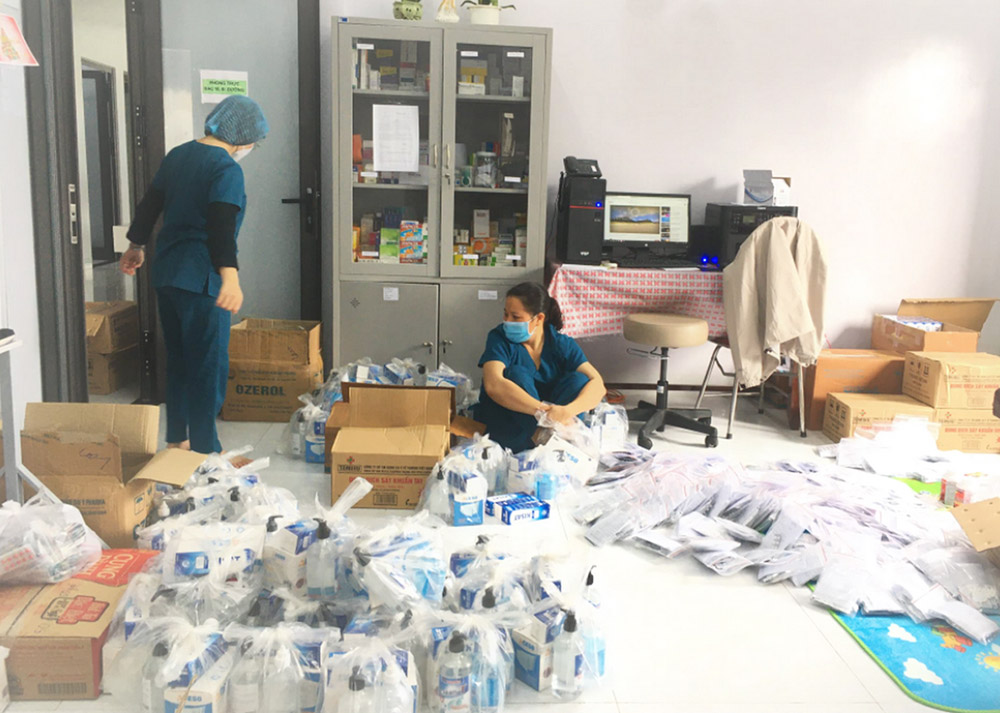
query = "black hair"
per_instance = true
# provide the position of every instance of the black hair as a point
(536, 300)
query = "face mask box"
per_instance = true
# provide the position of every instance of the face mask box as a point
(285, 555)
(532, 660)
(468, 498)
(206, 695)
(961, 322)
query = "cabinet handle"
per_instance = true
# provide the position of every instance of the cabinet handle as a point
(430, 347)
(434, 156)
(447, 155)
(445, 343)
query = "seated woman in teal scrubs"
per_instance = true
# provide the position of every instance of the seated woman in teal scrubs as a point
(528, 366)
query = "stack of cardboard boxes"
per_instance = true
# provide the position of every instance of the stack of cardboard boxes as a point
(938, 375)
(271, 363)
(112, 345)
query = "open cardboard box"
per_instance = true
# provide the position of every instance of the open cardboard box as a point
(392, 436)
(859, 371)
(963, 320)
(102, 459)
(111, 326)
(981, 523)
(56, 633)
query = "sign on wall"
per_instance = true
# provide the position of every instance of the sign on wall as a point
(217, 84)
(13, 48)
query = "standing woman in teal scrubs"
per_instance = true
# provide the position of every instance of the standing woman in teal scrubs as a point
(530, 366)
(199, 190)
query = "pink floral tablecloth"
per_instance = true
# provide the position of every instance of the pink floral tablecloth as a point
(594, 301)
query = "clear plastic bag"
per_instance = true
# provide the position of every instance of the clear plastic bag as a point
(374, 677)
(610, 425)
(231, 550)
(306, 423)
(42, 542)
(162, 660)
(444, 375)
(273, 673)
(402, 564)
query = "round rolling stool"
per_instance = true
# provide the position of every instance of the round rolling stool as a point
(664, 332)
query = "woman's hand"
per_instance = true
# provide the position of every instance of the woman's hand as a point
(132, 260)
(561, 414)
(230, 295)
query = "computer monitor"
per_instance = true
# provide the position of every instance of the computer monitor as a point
(658, 222)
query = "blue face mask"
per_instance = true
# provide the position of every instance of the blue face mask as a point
(517, 331)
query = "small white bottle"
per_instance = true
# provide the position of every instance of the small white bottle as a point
(244, 683)
(153, 700)
(567, 661)
(321, 564)
(359, 697)
(454, 672)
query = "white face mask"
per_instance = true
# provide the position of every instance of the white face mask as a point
(242, 153)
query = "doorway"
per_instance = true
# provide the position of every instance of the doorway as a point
(101, 170)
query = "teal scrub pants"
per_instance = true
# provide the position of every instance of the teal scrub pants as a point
(196, 337)
(514, 430)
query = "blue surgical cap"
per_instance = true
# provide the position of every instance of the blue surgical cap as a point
(237, 120)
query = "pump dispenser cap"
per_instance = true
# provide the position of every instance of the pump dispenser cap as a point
(590, 577)
(323, 531)
(160, 650)
(234, 494)
(272, 523)
(457, 644)
(489, 598)
(357, 681)
(570, 622)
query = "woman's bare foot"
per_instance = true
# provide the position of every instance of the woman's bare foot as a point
(183, 445)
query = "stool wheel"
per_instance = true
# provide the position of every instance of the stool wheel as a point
(645, 443)
(711, 441)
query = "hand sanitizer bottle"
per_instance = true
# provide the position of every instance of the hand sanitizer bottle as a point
(454, 673)
(321, 564)
(359, 698)
(567, 661)
(152, 693)
(244, 683)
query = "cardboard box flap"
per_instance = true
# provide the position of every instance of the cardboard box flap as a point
(967, 361)
(981, 523)
(465, 427)
(171, 466)
(405, 441)
(13, 601)
(49, 453)
(136, 427)
(373, 406)
(275, 340)
(970, 313)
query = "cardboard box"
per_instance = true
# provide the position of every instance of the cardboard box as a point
(271, 363)
(111, 326)
(106, 373)
(102, 459)
(847, 412)
(952, 380)
(981, 522)
(392, 436)
(969, 430)
(859, 371)
(962, 319)
(55, 633)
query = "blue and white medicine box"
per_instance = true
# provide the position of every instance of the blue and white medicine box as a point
(532, 660)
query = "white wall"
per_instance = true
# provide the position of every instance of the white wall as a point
(18, 294)
(99, 36)
(882, 114)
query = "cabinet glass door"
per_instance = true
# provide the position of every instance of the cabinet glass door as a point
(492, 195)
(390, 101)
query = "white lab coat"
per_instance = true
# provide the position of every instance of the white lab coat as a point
(774, 294)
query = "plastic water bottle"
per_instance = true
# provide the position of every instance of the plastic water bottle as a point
(567, 661)
(454, 673)
(321, 564)
(232, 510)
(437, 499)
(153, 700)
(420, 378)
(244, 683)
(359, 698)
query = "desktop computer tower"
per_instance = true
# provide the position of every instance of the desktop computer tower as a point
(580, 220)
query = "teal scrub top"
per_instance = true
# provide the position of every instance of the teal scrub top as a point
(192, 176)
(560, 355)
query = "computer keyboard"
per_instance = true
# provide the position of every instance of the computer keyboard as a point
(654, 262)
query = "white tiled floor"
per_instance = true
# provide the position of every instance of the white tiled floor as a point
(681, 640)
